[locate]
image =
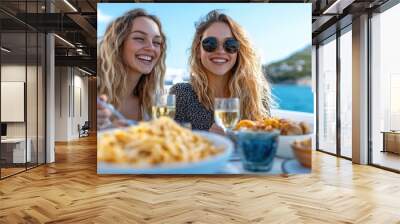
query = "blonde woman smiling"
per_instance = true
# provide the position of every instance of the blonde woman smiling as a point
(131, 65)
(222, 64)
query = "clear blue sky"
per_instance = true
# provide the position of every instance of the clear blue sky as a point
(275, 29)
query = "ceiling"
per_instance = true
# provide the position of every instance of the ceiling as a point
(331, 15)
(76, 23)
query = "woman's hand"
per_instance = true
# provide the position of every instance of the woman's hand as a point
(103, 115)
(216, 129)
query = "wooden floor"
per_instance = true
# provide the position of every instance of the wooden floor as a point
(387, 159)
(10, 171)
(70, 191)
(5, 172)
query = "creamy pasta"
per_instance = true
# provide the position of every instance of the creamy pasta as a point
(155, 142)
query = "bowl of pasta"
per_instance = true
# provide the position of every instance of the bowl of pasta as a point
(161, 146)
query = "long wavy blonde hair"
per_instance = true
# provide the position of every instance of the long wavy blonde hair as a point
(113, 72)
(247, 80)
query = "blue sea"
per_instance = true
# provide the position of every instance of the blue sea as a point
(294, 97)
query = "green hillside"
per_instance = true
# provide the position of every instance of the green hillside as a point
(291, 69)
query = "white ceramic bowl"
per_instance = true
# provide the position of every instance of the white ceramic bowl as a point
(284, 146)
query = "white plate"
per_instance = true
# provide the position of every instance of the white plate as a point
(293, 166)
(206, 166)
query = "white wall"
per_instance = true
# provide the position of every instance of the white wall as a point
(71, 94)
(13, 73)
(80, 110)
(61, 103)
(33, 126)
(13, 100)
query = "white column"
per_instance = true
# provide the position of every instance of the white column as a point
(50, 92)
(50, 100)
(360, 90)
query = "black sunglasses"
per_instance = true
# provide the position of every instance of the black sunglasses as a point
(210, 44)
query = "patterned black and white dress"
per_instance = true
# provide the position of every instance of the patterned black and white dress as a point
(189, 109)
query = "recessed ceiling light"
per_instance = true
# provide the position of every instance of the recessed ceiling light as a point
(337, 7)
(64, 40)
(84, 71)
(70, 5)
(5, 50)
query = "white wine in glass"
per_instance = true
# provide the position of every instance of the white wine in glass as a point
(164, 105)
(227, 112)
(227, 118)
(159, 111)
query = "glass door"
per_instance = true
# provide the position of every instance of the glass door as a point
(385, 89)
(22, 76)
(346, 93)
(32, 98)
(14, 154)
(327, 96)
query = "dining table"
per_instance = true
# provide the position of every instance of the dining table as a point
(280, 166)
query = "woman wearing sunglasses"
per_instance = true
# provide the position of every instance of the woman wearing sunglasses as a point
(222, 64)
(131, 65)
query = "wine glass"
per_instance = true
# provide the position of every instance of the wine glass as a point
(164, 105)
(227, 113)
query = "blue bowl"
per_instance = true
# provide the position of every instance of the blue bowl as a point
(257, 149)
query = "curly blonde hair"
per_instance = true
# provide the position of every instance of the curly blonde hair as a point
(247, 80)
(113, 72)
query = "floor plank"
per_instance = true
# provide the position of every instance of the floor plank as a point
(70, 191)
(387, 159)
